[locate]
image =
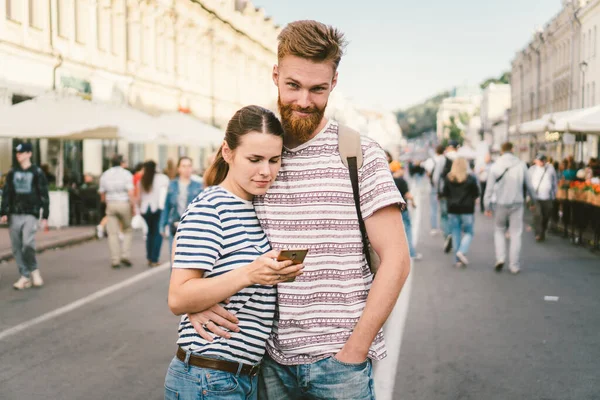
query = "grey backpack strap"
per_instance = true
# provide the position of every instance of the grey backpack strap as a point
(349, 144)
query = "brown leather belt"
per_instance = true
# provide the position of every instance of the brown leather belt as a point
(221, 365)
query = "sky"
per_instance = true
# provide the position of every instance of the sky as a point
(402, 52)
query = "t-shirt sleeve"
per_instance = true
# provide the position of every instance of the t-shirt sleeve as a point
(199, 237)
(102, 185)
(377, 187)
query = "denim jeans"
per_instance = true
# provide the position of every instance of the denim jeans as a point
(327, 379)
(433, 205)
(186, 382)
(444, 218)
(461, 223)
(22, 238)
(408, 230)
(154, 237)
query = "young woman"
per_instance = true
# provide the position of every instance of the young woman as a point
(221, 253)
(461, 190)
(182, 190)
(151, 186)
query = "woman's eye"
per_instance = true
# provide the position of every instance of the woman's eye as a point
(254, 160)
(274, 161)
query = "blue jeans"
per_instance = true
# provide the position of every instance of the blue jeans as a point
(408, 230)
(324, 379)
(433, 205)
(186, 382)
(444, 218)
(461, 223)
(154, 237)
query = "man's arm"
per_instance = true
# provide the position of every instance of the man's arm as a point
(489, 189)
(528, 184)
(386, 234)
(43, 193)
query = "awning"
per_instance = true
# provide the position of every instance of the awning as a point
(56, 116)
(535, 126)
(184, 129)
(585, 120)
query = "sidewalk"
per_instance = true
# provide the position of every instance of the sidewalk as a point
(50, 239)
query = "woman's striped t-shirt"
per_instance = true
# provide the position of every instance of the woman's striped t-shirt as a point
(219, 232)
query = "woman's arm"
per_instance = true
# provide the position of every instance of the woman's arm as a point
(189, 292)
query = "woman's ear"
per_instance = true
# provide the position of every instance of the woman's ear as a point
(227, 153)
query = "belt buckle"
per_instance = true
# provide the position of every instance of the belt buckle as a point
(254, 370)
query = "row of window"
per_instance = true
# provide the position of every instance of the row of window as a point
(589, 43)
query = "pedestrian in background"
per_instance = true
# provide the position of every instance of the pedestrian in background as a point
(152, 189)
(482, 174)
(221, 252)
(181, 191)
(507, 181)
(116, 190)
(461, 192)
(441, 171)
(24, 198)
(402, 185)
(543, 179)
(433, 168)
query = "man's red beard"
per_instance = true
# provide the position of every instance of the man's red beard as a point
(300, 128)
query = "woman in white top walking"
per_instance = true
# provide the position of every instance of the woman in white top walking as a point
(152, 186)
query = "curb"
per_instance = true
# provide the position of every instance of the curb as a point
(54, 244)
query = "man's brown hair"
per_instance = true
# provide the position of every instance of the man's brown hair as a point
(507, 147)
(312, 40)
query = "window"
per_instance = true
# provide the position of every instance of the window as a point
(82, 21)
(14, 10)
(63, 17)
(595, 41)
(147, 44)
(104, 26)
(36, 10)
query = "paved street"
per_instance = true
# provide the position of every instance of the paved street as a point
(468, 334)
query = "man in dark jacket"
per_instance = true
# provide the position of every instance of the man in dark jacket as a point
(25, 195)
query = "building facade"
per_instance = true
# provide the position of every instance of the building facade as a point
(557, 71)
(495, 109)
(207, 58)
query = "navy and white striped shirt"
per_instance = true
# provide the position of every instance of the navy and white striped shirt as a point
(220, 232)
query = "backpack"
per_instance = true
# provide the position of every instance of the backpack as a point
(352, 158)
(445, 171)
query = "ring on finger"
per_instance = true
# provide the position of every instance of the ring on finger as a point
(206, 323)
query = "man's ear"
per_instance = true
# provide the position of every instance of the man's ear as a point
(334, 81)
(276, 75)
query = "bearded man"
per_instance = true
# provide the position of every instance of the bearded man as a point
(328, 326)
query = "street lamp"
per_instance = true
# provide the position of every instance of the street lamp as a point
(583, 67)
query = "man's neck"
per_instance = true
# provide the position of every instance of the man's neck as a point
(25, 164)
(185, 181)
(291, 142)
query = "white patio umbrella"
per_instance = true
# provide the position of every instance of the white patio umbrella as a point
(178, 128)
(56, 116)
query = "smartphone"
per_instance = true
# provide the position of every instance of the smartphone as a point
(297, 256)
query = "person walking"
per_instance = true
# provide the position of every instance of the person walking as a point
(328, 327)
(116, 190)
(543, 179)
(181, 191)
(402, 185)
(153, 188)
(507, 183)
(221, 252)
(24, 198)
(461, 192)
(482, 174)
(433, 168)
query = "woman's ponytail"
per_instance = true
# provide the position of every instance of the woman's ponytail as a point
(216, 173)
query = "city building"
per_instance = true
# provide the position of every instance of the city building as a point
(207, 58)
(495, 108)
(463, 104)
(556, 72)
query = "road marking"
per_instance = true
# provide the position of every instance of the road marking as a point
(551, 298)
(83, 301)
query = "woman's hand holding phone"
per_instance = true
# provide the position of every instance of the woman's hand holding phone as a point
(266, 270)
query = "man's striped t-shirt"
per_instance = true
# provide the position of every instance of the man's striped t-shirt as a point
(311, 205)
(219, 232)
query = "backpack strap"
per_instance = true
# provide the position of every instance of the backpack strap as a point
(350, 146)
(352, 158)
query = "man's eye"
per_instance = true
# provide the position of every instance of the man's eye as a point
(293, 85)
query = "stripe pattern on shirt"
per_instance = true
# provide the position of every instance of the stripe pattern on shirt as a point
(218, 233)
(311, 205)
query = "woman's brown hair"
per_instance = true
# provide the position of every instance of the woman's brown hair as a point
(148, 177)
(245, 120)
(459, 171)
